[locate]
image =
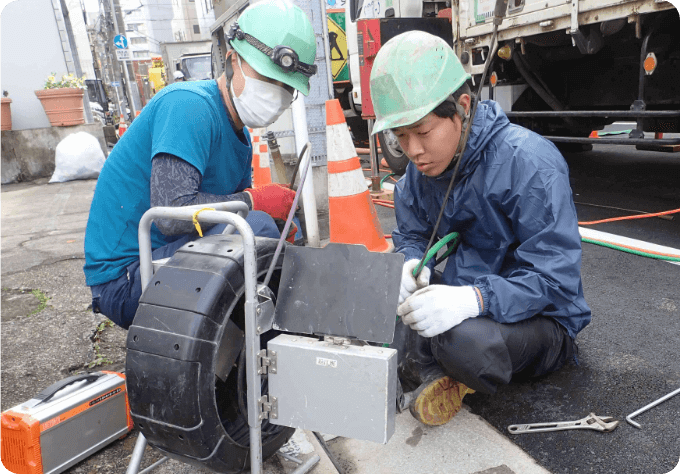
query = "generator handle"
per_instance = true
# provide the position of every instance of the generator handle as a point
(50, 391)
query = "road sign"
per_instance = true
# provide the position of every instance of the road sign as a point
(115, 84)
(123, 54)
(120, 41)
(338, 45)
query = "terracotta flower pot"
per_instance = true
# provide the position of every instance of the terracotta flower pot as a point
(63, 106)
(6, 118)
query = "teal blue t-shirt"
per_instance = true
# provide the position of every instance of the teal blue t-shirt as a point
(185, 119)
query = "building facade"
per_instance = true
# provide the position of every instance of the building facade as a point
(148, 23)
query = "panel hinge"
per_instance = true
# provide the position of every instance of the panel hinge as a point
(266, 362)
(269, 407)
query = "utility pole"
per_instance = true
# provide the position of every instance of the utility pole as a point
(127, 66)
(111, 56)
(130, 98)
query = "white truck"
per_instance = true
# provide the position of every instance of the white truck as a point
(564, 68)
(191, 57)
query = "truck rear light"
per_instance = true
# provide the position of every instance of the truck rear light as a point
(650, 64)
(493, 80)
(505, 52)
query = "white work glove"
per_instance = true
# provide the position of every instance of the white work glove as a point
(438, 308)
(408, 282)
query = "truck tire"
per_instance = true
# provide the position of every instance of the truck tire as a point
(176, 399)
(392, 152)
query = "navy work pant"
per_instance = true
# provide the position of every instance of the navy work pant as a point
(118, 299)
(483, 353)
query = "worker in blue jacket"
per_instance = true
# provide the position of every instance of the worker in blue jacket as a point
(509, 302)
(190, 146)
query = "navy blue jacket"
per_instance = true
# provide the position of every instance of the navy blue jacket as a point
(512, 205)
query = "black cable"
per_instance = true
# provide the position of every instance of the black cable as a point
(297, 165)
(461, 146)
(328, 452)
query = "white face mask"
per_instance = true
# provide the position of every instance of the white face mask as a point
(260, 103)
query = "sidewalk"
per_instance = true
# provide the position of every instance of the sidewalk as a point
(42, 257)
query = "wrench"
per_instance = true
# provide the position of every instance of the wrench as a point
(590, 422)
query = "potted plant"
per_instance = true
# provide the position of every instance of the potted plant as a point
(63, 100)
(6, 118)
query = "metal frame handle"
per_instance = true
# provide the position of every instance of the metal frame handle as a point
(225, 215)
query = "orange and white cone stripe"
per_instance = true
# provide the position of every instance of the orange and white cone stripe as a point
(261, 172)
(352, 215)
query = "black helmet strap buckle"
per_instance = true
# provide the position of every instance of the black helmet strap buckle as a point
(283, 56)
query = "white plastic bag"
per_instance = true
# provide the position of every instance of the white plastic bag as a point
(78, 156)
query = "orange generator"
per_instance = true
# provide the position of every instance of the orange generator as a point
(65, 423)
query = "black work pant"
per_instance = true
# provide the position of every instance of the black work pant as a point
(482, 353)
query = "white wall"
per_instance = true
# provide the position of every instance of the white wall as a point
(30, 50)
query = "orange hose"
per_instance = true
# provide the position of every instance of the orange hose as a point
(625, 218)
(382, 204)
(388, 236)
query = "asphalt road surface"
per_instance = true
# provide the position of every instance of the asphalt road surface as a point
(630, 353)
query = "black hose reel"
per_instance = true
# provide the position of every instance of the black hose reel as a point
(185, 368)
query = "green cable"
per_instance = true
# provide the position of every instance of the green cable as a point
(634, 252)
(384, 178)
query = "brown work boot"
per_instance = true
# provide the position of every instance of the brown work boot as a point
(436, 402)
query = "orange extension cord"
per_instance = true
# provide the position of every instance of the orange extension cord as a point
(625, 218)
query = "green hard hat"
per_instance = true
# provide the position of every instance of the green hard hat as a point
(272, 31)
(412, 74)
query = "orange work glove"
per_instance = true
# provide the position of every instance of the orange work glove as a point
(274, 199)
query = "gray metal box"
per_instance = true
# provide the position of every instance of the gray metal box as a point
(346, 390)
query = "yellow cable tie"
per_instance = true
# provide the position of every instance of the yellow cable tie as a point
(195, 219)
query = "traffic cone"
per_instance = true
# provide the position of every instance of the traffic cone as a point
(594, 134)
(122, 126)
(261, 173)
(351, 213)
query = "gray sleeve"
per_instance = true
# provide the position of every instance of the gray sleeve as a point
(174, 183)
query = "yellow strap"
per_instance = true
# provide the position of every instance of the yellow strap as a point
(195, 219)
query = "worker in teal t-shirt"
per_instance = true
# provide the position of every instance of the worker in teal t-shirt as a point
(190, 146)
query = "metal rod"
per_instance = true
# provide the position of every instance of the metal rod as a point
(291, 214)
(138, 452)
(328, 452)
(289, 457)
(373, 152)
(639, 104)
(647, 407)
(596, 113)
(616, 141)
(154, 465)
(297, 165)
(307, 465)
